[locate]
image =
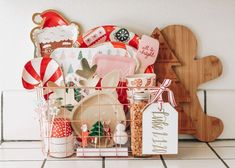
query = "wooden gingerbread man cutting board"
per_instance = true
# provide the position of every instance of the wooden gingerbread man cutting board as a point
(191, 74)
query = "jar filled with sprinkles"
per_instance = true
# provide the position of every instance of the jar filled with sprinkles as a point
(140, 100)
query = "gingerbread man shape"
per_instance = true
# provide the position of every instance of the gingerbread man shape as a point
(193, 73)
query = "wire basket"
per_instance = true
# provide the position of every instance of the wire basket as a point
(88, 121)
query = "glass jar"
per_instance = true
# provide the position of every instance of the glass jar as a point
(140, 100)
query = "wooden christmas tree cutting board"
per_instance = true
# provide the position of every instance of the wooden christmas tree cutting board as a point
(164, 68)
(191, 73)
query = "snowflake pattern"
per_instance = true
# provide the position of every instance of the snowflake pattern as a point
(54, 110)
(137, 82)
(41, 107)
(122, 35)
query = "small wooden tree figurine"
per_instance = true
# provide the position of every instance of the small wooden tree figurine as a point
(164, 68)
(96, 132)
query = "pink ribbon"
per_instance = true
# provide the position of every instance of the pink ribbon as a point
(158, 94)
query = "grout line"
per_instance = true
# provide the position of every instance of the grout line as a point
(226, 139)
(20, 160)
(217, 155)
(22, 140)
(43, 163)
(2, 140)
(188, 140)
(205, 101)
(163, 161)
(103, 162)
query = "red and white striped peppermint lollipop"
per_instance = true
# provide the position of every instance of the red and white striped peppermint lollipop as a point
(40, 71)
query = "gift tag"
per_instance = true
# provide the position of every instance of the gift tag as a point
(160, 129)
(147, 52)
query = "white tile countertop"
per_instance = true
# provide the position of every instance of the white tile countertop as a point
(192, 154)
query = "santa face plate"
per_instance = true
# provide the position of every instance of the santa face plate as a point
(53, 32)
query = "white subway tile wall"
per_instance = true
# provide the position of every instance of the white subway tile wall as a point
(220, 103)
(20, 122)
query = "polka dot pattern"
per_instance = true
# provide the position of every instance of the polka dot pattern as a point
(61, 128)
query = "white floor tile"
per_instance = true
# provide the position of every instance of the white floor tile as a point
(157, 157)
(21, 164)
(225, 110)
(230, 163)
(20, 154)
(226, 152)
(192, 144)
(214, 163)
(70, 164)
(223, 143)
(193, 153)
(74, 157)
(133, 163)
(20, 145)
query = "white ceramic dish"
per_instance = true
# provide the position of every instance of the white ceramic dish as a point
(64, 140)
(62, 147)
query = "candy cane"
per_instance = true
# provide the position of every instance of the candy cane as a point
(108, 33)
(39, 71)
